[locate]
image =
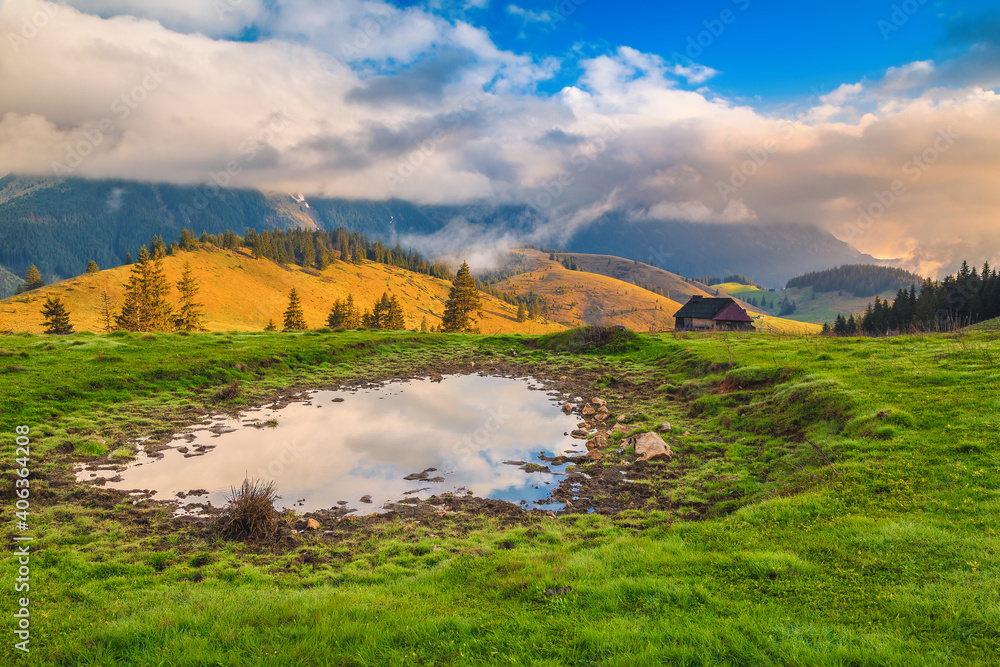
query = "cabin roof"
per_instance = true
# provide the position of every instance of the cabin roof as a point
(713, 309)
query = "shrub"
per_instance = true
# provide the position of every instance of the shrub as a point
(249, 514)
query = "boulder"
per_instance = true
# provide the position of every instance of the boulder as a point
(602, 414)
(588, 410)
(307, 524)
(620, 428)
(595, 454)
(599, 441)
(599, 402)
(664, 427)
(579, 434)
(651, 446)
(567, 408)
(622, 418)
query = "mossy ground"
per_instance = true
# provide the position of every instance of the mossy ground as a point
(832, 502)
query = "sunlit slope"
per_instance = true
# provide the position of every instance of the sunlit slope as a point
(584, 297)
(241, 294)
(577, 298)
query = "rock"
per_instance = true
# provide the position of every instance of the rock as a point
(599, 402)
(579, 434)
(620, 428)
(622, 418)
(602, 414)
(307, 524)
(664, 427)
(651, 446)
(366, 499)
(595, 454)
(588, 410)
(686, 433)
(567, 408)
(597, 442)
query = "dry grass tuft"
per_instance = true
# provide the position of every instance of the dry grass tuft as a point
(229, 392)
(249, 515)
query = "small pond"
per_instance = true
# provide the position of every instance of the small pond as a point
(361, 449)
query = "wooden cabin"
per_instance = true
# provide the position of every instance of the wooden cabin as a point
(723, 314)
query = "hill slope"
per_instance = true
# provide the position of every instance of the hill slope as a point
(577, 298)
(241, 294)
(583, 297)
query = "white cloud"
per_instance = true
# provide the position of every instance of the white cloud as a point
(430, 109)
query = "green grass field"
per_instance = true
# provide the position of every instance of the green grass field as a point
(833, 502)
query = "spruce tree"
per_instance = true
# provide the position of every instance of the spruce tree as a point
(396, 321)
(92, 268)
(522, 312)
(351, 313)
(107, 312)
(270, 326)
(33, 279)
(56, 317)
(424, 325)
(463, 301)
(146, 307)
(128, 258)
(358, 254)
(190, 317)
(158, 248)
(294, 317)
(338, 318)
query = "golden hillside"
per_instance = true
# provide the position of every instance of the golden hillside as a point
(577, 297)
(591, 296)
(241, 294)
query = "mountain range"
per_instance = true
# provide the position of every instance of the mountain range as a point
(61, 225)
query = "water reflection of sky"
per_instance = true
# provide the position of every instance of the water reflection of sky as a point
(324, 451)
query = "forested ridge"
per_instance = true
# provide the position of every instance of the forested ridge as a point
(858, 279)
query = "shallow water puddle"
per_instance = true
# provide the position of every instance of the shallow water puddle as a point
(360, 449)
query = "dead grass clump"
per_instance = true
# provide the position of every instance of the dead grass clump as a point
(229, 392)
(249, 515)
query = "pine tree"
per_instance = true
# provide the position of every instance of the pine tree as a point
(33, 279)
(92, 268)
(352, 314)
(522, 312)
(396, 320)
(358, 254)
(128, 258)
(294, 317)
(424, 326)
(107, 312)
(187, 241)
(158, 248)
(146, 307)
(463, 301)
(190, 317)
(56, 317)
(270, 325)
(534, 310)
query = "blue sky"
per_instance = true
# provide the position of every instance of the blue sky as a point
(772, 50)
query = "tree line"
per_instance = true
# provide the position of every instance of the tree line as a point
(968, 297)
(858, 279)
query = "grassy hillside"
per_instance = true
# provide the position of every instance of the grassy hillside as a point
(830, 502)
(674, 286)
(579, 297)
(591, 296)
(241, 293)
(823, 308)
